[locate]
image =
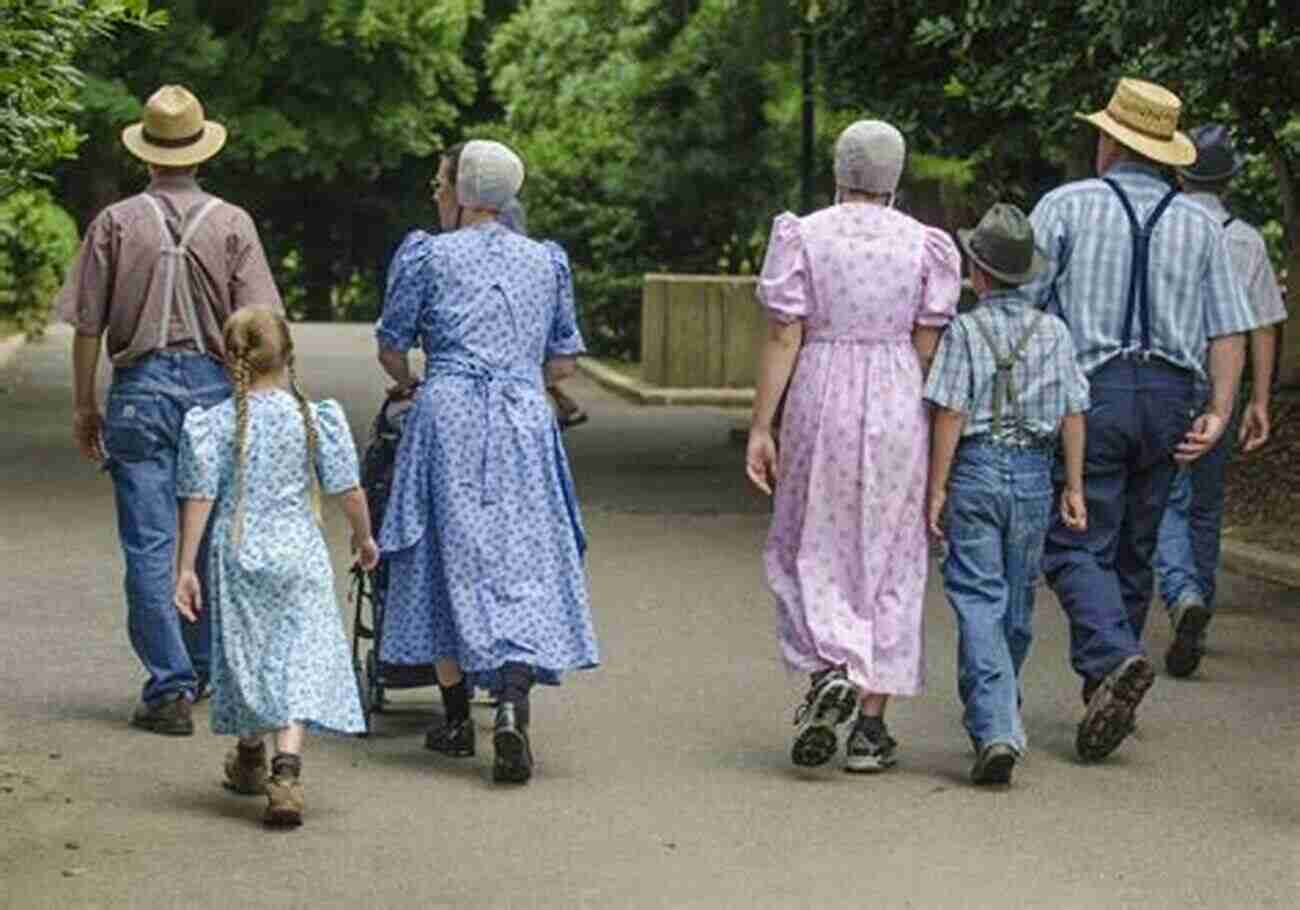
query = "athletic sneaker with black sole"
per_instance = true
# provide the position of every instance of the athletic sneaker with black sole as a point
(870, 748)
(1184, 654)
(831, 702)
(1110, 714)
(994, 765)
(514, 755)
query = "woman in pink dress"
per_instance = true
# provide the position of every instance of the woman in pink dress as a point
(858, 295)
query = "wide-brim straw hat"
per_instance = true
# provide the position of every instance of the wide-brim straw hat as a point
(1143, 116)
(173, 131)
(1002, 244)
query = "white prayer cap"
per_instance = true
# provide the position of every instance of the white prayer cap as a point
(869, 157)
(488, 175)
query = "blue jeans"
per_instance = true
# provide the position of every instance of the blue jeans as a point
(1187, 555)
(147, 403)
(1103, 577)
(999, 502)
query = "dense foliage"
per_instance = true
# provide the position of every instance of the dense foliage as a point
(662, 134)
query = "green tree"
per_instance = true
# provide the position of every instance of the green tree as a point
(39, 84)
(334, 108)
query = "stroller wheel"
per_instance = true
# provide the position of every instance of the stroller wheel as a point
(374, 691)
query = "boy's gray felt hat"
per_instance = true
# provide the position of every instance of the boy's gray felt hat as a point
(1002, 244)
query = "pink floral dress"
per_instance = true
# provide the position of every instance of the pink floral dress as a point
(847, 556)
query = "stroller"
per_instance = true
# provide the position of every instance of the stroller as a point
(369, 589)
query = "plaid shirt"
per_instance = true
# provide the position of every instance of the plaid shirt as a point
(1195, 294)
(1047, 379)
(1250, 262)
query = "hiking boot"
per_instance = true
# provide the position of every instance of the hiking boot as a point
(246, 769)
(870, 748)
(831, 702)
(1190, 617)
(284, 801)
(1111, 709)
(452, 738)
(994, 765)
(170, 717)
(514, 755)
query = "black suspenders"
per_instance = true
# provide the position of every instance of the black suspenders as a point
(1229, 220)
(1139, 282)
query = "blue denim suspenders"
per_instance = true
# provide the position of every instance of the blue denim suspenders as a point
(1139, 283)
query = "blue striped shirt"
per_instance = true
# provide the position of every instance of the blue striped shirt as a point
(1194, 292)
(1047, 379)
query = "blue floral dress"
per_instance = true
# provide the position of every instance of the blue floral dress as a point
(278, 649)
(482, 532)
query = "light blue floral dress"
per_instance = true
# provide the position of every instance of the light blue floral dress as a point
(482, 531)
(278, 649)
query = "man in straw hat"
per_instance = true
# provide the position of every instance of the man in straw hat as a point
(1187, 555)
(156, 277)
(1006, 385)
(1141, 275)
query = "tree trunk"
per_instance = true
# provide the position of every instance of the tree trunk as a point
(317, 271)
(1288, 189)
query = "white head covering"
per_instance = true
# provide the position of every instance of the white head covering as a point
(869, 157)
(514, 217)
(488, 175)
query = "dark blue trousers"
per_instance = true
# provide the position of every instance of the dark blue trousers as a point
(1103, 577)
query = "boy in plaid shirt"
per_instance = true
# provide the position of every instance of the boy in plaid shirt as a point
(1006, 386)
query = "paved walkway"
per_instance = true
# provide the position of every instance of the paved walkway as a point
(663, 778)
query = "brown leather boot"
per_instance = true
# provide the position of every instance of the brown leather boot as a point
(170, 717)
(284, 797)
(246, 769)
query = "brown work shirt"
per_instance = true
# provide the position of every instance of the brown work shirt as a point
(118, 283)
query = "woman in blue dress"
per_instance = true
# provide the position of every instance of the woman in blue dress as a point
(482, 532)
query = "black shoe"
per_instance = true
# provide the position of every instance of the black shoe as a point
(870, 748)
(1110, 715)
(994, 765)
(1184, 654)
(170, 717)
(452, 738)
(514, 755)
(831, 702)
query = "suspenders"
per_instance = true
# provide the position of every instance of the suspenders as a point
(1004, 387)
(1139, 283)
(178, 295)
(1229, 220)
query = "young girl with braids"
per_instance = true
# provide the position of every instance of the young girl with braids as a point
(257, 464)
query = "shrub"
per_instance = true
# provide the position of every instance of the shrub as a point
(37, 242)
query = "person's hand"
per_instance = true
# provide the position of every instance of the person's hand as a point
(934, 503)
(402, 390)
(1074, 510)
(189, 598)
(367, 552)
(1205, 432)
(760, 459)
(1255, 427)
(88, 433)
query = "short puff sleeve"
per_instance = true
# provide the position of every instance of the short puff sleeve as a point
(410, 281)
(784, 286)
(198, 467)
(565, 338)
(336, 453)
(940, 280)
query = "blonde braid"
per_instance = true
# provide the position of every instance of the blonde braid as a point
(241, 372)
(313, 439)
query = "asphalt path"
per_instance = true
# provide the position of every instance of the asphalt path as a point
(663, 777)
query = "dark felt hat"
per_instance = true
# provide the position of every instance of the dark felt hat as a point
(1002, 244)
(1216, 156)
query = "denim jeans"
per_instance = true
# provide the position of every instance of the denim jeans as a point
(999, 502)
(1187, 555)
(1103, 577)
(147, 403)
